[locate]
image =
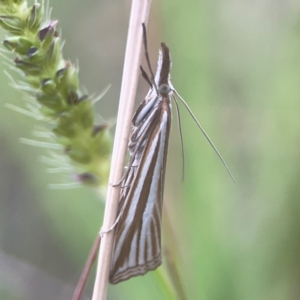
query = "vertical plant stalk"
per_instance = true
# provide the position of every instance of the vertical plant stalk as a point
(139, 14)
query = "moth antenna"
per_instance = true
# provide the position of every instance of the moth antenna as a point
(205, 134)
(147, 56)
(145, 76)
(180, 134)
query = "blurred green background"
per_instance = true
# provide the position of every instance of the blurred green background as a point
(237, 64)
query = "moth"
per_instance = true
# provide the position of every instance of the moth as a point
(137, 239)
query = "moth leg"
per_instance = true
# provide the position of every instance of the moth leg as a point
(103, 232)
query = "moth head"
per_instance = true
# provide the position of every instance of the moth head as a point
(164, 89)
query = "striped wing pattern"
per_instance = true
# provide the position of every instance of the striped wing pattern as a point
(137, 241)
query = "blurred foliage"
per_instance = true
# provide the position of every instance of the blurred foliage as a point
(237, 64)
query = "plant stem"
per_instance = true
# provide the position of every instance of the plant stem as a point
(139, 14)
(86, 271)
